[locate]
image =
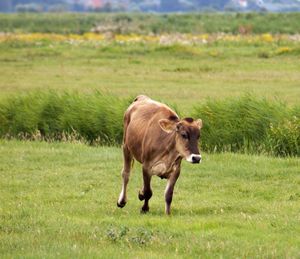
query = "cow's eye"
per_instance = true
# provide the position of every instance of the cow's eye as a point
(184, 135)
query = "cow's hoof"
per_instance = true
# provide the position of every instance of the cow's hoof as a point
(144, 210)
(121, 204)
(141, 196)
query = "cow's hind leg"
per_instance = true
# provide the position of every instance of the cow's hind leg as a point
(125, 176)
(146, 193)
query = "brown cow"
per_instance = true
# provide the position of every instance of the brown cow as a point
(156, 137)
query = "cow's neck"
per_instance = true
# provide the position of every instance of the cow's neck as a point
(167, 159)
(170, 153)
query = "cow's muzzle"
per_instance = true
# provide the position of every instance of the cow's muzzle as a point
(193, 158)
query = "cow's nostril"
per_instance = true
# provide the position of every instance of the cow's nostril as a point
(196, 159)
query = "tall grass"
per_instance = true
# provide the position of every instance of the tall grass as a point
(283, 138)
(247, 124)
(96, 118)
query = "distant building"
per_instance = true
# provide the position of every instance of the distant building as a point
(97, 4)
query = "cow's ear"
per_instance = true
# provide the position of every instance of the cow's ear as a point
(199, 123)
(167, 125)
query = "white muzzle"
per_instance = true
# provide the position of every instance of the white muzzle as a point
(193, 158)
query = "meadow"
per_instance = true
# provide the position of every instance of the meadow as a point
(192, 67)
(59, 200)
(62, 95)
(200, 72)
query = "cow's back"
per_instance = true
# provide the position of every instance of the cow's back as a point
(141, 125)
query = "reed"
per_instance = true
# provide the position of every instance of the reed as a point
(247, 124)
(97, 118)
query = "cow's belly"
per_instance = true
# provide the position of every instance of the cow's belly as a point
(160, 169)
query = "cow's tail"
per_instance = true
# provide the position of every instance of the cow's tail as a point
(125, 122)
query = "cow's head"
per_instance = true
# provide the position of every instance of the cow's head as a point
(187, 135)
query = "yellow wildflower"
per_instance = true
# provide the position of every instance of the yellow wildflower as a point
(283, 50)
(267, 37)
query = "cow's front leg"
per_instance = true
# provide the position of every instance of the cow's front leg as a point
(146, 193)
(170, 188)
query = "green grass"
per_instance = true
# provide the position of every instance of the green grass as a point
(247, 124)
(152, 23)
(59, 200)
(94, 118)
(182, 75)
(251, 125)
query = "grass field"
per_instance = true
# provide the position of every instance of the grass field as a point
(151, 23)
(59, 200)
(180, 74)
